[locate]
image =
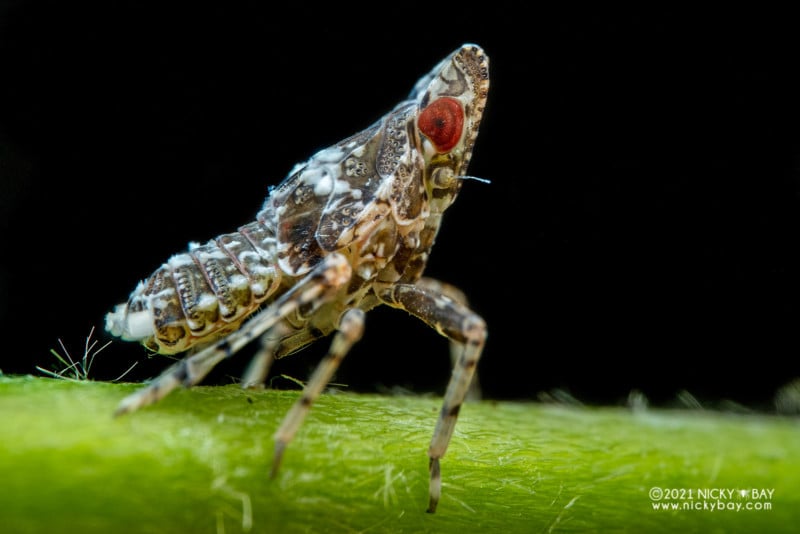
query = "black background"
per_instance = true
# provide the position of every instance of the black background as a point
(641, 230)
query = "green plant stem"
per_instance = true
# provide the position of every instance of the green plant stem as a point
(199, 462)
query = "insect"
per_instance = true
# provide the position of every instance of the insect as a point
(346, 231)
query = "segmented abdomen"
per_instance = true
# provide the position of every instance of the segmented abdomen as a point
(202, 294)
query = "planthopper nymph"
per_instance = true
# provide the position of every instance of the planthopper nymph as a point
(346, 231)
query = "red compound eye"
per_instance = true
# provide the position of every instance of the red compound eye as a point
(442, 122)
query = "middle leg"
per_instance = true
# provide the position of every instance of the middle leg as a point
(351, 327)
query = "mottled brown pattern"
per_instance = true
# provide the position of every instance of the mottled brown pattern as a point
(349, 230)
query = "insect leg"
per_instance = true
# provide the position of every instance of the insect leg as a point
(458, 323)
(315, 289)
(456, 348)
(277, 343)
(259, 366)
(350, 329)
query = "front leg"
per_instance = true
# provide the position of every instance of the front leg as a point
(456, 348)
(459, 324)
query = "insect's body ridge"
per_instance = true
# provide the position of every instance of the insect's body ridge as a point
(198, 295)
(346, 231)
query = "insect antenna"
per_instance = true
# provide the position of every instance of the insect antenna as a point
(481, 180)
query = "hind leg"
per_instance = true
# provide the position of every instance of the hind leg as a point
(282, 340)
(257, 371)
(318, 287)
